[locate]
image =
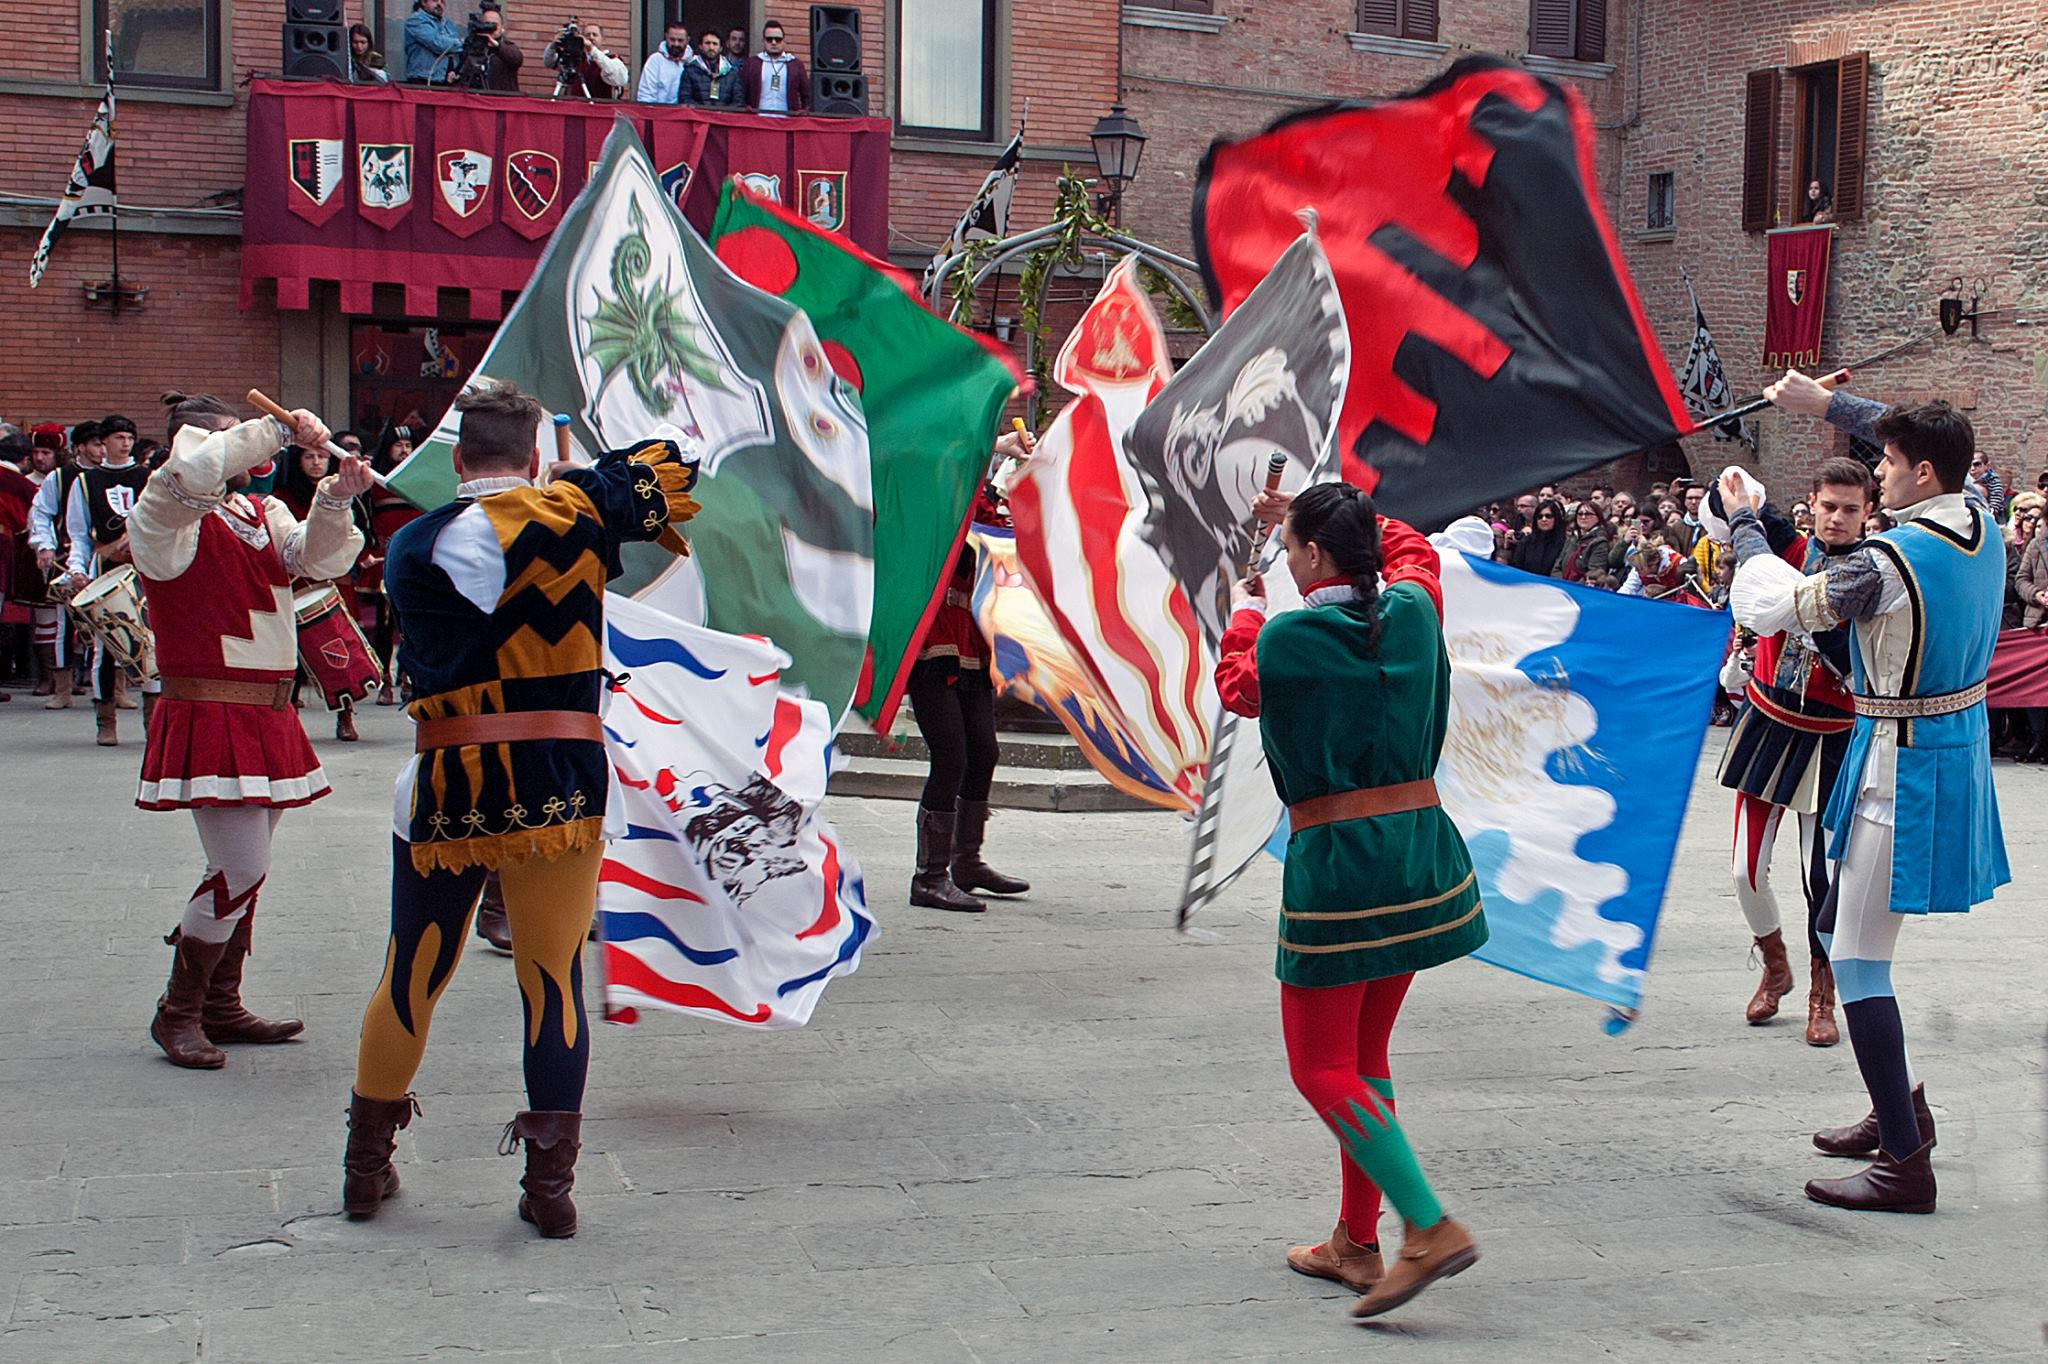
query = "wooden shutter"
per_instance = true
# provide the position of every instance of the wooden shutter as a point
(1852, 125)
(1550, 27)
(1382, 17)
(1760, 151)
(1418, 20)
(1591, 39)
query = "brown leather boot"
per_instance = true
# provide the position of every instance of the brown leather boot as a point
(1777, 982)
(149, 700)
(932, 887)
(493, 924)
(224, 1018)
(970, 872)
(345, 725)
(1355, 1266)
(1860, 1139)
(60, 690)
(551, 1146)
(1427, 1254)
(104, 732)
(1820, 1007)
(176, 1027)
(368, 1177)
(1888, 1185)
(122, 700)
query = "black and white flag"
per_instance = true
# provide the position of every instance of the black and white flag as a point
(1704, 384)
(988, 217)
(1270, 381)
(90, 191)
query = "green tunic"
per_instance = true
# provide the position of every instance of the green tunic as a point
(1363, 899)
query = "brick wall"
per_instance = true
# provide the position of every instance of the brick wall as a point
(1956, 175)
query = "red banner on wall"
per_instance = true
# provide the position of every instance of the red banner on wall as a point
(399, 154)
(1796, 295)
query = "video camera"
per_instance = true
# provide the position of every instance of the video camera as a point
(570, 48)
(472, 67)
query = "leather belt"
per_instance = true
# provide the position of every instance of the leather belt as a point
(1919, 707)
(1365, 804)
(518, 726)
(275, 695)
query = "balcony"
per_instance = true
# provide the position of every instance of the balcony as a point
(425, 189)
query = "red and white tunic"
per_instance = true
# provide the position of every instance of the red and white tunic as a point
(216, 571)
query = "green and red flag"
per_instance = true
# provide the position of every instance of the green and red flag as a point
(933, 395)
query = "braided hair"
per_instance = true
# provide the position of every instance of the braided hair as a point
(1340, 519)
(196, 409)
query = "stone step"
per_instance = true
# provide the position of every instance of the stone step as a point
(1057, 790)
(1056, 752)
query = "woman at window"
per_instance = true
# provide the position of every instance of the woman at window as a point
(1818, 206)
(365, 62)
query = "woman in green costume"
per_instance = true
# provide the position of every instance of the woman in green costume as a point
(1352, 694)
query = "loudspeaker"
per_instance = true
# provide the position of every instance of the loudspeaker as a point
(835, 38)
(841, 94)
(312, 11)
(314, 51)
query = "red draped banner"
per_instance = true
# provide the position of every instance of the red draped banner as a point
(335, 173)
(2019, 670)
(1796, 295)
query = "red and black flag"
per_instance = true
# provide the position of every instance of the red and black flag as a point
(1496, 340)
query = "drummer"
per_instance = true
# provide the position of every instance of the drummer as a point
(96, 516)
(297, 487)
(217, 567)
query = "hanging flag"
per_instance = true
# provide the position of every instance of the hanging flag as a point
(465, 168)
(729, 897)
(1704, 384)
(1270, 381)
(987, 218)
(384, 160)
(1122, 617)
(90, 191)
(632, 328)
(1796, 294)
(932, 394)
(316, 170)
(534, 175)
(1496, 340)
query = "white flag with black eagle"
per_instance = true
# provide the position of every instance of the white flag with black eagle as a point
(90, 191)
(1704, 384)
(988, 217)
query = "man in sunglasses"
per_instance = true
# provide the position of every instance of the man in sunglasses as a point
(772, 81)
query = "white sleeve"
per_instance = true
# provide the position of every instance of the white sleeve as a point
(1632, 586)
(163, 530)
(650, 84)
(1764, 595)
(43, 514)
(325, 545)
(467, 551)
(611, 68)
(78, 525)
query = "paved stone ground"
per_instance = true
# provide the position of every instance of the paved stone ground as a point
(1053, 1133)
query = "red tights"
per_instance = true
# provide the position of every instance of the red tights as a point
(1336, 1039)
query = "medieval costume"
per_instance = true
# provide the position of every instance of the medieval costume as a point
(1352, 695)
(1783, 756)
(1913, 819)
(49, 622)
(502, 594)
(96, 511)
(952, 698)
(216, 570)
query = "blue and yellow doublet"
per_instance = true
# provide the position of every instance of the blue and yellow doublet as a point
(500, 600)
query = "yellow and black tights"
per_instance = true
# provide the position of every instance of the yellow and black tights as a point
(549, 902)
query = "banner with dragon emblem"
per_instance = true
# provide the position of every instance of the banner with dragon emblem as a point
(633, 328)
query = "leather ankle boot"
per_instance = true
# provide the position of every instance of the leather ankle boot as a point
(1778, 980)
(345, 725)
(368, 1177)
(176, 1027)
(224, 1018)
(1820, 1007)
(970, 873)
(932, 887)
(1887, 1185)
(1355, 1266)
(105, 734)
(1427, 1254)
(122, 700)
(60, 690)
(1860, 1139)
(493, 924)
(552, 1142)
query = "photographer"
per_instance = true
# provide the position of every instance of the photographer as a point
(584, 69)
(431, 38)
(489, 59)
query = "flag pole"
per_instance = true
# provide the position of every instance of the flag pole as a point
(1840, 376)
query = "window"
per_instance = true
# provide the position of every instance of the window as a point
(1398, 19)
(1183, 6)
(945, 68)
(1830, 105)
(1661, 214)
(1575, 30)
(168, 43)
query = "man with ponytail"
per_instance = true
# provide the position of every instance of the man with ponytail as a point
(216, 566)
(1352, 694)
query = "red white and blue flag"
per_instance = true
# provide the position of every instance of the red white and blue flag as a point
(727, 897)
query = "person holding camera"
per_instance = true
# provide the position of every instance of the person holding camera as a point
(490, 60)
(584, 69)
(431, 38)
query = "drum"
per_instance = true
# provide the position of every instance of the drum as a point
(332, 648)
(110, 609)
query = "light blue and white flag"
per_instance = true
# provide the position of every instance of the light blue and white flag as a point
(1577, 718)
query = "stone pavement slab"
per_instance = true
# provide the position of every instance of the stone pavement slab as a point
(1055, 1132)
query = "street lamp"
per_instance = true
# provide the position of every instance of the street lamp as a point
(1119, 142)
